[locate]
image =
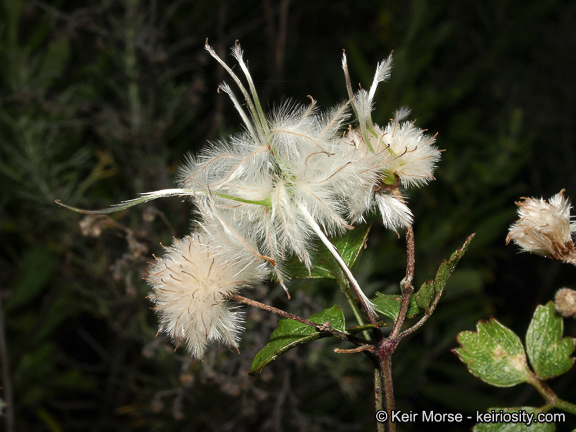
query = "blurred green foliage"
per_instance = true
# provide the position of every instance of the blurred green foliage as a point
(100, 101)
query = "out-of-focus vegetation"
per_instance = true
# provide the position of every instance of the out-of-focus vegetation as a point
(100, 101)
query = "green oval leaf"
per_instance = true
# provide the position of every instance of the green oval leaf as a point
(548, 351)
(425, 295)
(290, 334)
(494, 354)
(389, 305)
(431, 289)
(448, 266)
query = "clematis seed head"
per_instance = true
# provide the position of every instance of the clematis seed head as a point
(191, 285)
(545, 228)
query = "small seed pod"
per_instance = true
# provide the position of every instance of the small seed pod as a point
(565, 302)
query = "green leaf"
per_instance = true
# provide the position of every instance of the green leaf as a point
(494, 354)
(448, 266)
(522, 420)
(389, 305)
(431, 289)
(351, 243)
(290, 334)
(348, 245)
(548, 351)
(425, 295)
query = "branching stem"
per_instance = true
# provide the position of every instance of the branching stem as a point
(551, 398)
(323, 328)
(427, 314)
(386, 346)
(406, 287)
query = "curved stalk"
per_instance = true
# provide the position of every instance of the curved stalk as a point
(148, 196)
(551, 398)
(364, 301)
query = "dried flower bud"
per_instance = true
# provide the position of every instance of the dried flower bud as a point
(544, 228)
(565, 302)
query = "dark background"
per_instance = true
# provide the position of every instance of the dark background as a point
(101, 100)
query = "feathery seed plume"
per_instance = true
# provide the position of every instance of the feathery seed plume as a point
(545, 228)
(191, 285)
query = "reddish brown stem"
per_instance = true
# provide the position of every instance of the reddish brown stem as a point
(323, 328)
(406, 286)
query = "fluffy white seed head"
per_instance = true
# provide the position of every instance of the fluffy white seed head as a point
(191, 287)
(403, 155)
(544, 227)
(256, 189)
